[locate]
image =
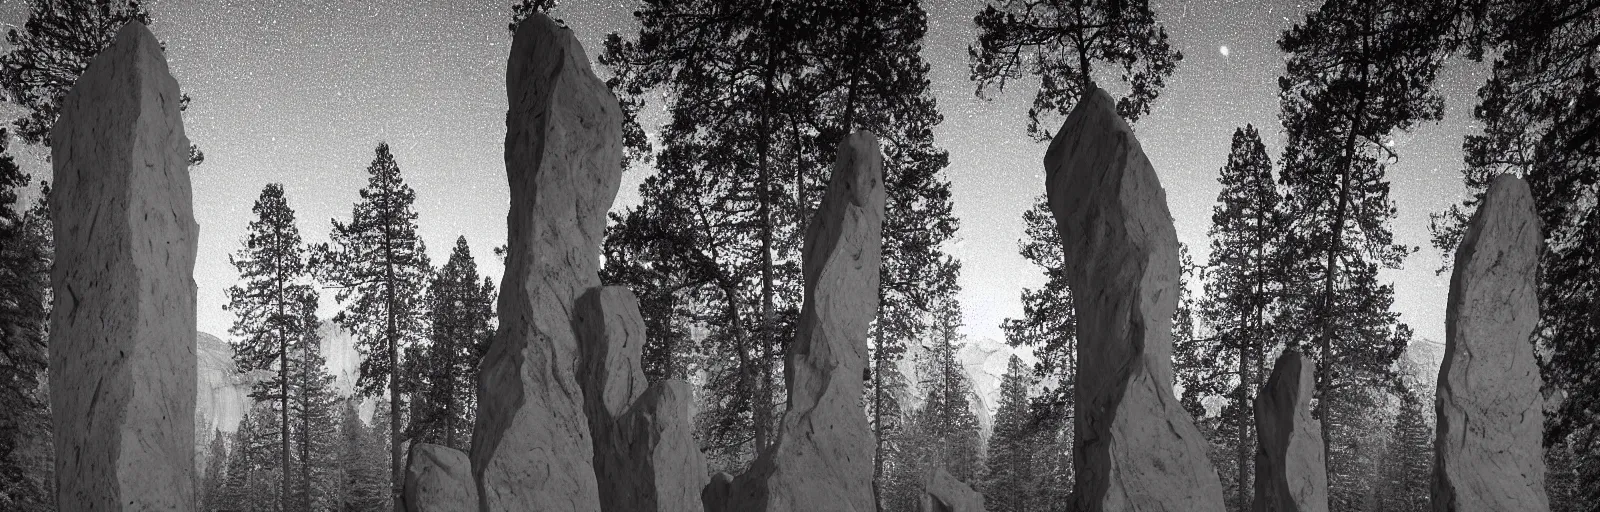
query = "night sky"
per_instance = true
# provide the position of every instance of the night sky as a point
(300, 92)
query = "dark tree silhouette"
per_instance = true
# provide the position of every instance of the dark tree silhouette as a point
(268, 320)
(1356, 72)
(380, 268)
(1241, 289)
(759, 97)
(460, 316)
(1061, 42)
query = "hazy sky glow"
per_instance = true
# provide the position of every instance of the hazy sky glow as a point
(300, 92)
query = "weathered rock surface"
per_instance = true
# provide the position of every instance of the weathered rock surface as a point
(1487, 453)
(1290, 473)
(439, 479)
(655, 462)
(531, 447)
(821, 455)
(943, 493)
(122, 362)
(611, 341)
(1136, 448)
(646, 457)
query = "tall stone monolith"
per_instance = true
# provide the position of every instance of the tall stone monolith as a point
(1290, 473)
(531, 447)
(645, 455)
(122, 359)
(821, 456)
(1487, 453)
(1135, 446)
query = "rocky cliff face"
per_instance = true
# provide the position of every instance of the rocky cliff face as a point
(222, 393)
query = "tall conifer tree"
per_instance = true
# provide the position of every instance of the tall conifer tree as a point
(716, 241)
(1356, 72)
(949, 427)
(461, 323)
(380, 267)
(1240, 291)
(268, 322)
(314, 421)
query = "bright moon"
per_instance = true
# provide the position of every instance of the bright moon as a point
(1224, 50)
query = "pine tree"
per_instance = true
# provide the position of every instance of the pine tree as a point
(254, 482)
(312, 410)
(380, 267)
(1049, 320)
(1356, 72)
(461, 322)
(24, 283)
(1241, 290)
(1534, 113)
(1407, 469)
(950, 428)
(1010, 465)
(756, 118)
(1061, 42)
(266, 306)
(216, 473)
(361, 482)
(53, 49)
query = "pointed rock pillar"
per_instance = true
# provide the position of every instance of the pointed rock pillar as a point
(1487, 453)
(531, 447)
(1290, 473)
(122, 360)
(1135, 446)
(821, 457)
(645, 455)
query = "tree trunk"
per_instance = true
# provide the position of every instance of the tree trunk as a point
(763, 404)
(877, 419)
(1242, 415)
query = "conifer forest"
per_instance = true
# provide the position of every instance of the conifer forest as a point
(366, 336)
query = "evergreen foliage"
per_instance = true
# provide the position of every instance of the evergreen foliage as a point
(254, 480)
(268, 322)
(1406, 474)
(313, 415)
(1049, 320)
(380, 267)
(212, 480)
(25, 253)
(1356, 72)
(1241, 290)
(759, 95)
(1061, 42)
(460, 319)
(53, 49)
(946, 423)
